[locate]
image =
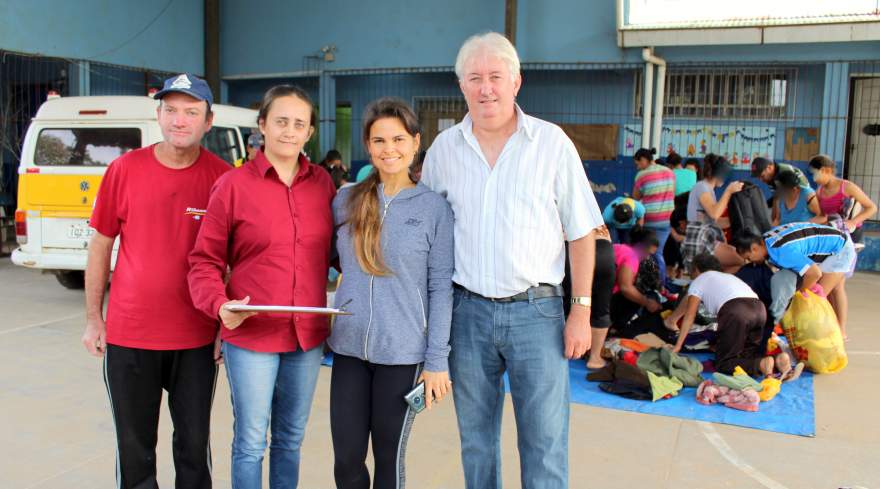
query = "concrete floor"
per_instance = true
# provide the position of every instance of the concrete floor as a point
(58, 433)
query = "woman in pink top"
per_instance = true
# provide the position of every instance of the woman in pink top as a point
(835, 195)
(627, 299)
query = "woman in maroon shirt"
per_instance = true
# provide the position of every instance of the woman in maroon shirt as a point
(270, 222)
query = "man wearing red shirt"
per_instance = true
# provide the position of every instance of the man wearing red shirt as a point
(154, 339)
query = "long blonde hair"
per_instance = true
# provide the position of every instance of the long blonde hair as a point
(364, 220)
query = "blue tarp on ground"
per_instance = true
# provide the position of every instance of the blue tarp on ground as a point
(792, 411)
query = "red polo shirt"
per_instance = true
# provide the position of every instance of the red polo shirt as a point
(276, 240)
(157, 212)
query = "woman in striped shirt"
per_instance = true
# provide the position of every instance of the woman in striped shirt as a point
(655, 188)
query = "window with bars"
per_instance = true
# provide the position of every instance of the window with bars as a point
(760, 94)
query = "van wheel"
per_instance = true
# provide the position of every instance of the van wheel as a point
(71, 279)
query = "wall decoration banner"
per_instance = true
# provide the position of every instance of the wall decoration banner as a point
(739, 144)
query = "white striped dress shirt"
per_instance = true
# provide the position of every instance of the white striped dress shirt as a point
(510, 219)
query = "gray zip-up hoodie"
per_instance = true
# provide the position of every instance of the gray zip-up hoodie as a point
(402, 318)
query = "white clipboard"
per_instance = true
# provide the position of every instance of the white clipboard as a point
(325, 311)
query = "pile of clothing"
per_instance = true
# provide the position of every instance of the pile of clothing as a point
(657, 373)
(737, 391)
(703, 333)
(651, 373)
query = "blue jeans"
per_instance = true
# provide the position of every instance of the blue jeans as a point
(264, 386)
(783, 285)
(619, 235)
(524, 339)
(662, 236)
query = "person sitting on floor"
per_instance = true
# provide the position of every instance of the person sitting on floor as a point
(621, 215)
(741, 317)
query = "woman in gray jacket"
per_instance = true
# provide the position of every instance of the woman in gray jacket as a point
(395, 245)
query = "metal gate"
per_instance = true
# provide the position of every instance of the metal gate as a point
(863, 166)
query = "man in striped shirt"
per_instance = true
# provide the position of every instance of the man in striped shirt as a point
(817, 256)
(655, 188)
(518, 189)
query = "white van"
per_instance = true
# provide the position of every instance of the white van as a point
(66, 150)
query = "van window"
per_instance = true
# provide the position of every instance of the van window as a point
(92, 146)
(223, 142)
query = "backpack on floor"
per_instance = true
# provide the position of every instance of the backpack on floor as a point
(748, 211)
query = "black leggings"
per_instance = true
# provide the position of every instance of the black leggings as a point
(604, 275)
(366, 402)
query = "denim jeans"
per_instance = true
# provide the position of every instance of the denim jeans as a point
(524, 339)
(662, 236)
(619, 235)
(783, 285)
(269, 386)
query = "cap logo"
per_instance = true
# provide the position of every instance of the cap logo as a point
(182, 82)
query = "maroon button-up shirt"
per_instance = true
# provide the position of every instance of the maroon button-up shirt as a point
(276, 240)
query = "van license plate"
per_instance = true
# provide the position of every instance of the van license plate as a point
(80, 231)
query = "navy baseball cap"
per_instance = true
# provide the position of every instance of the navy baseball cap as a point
(189, 84)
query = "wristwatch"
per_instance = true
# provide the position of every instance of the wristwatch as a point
(582, 301)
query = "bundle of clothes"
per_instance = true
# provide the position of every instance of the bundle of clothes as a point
(652, 373)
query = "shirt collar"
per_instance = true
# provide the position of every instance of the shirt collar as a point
(262, 165)
(523, 123)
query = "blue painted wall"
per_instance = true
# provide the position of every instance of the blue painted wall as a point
(249, 93)
(583, 30)
(400, 34)
(132, 33)
(273, 36)
(561, 96)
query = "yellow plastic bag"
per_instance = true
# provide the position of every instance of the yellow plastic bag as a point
(812, 329)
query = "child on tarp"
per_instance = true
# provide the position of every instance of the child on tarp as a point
(741, 319)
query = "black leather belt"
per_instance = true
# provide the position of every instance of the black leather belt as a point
(541, 291)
